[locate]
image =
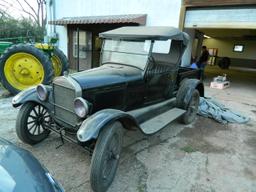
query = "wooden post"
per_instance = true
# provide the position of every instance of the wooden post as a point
(77, 40)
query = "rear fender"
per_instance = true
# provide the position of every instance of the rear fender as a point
(185, 91)
(92, 126)
(30, 95)
(44, 46)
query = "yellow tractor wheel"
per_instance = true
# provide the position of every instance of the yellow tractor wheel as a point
(59, 62)
(23, 66)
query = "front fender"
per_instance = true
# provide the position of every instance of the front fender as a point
(30, 95)
(92, 126)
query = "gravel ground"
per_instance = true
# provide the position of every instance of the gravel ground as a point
(201, 157)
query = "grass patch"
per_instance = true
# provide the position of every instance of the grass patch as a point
(140, 188)
(3, 92)
(188, 149)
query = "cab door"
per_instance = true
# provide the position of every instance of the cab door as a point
(158, 75)
(158, 80)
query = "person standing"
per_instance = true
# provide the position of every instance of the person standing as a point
(202, 62)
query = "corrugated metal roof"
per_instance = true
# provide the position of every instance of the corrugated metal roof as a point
(108, 19)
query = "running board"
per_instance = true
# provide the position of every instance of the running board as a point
(158, 122)
(149, 112)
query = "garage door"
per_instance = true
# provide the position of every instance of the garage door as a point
(232, 17)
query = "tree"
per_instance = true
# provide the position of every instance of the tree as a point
(31, 23)
(34, 9)
(15, 28)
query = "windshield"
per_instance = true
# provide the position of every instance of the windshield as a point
(133, 53)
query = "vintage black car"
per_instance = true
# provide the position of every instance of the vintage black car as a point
(139, 85)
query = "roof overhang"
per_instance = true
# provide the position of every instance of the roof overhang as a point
(107, 19)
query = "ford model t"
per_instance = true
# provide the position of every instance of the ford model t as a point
(139, 85)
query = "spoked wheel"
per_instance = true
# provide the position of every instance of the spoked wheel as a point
(192, 108)
(106, 156)
(30, 124)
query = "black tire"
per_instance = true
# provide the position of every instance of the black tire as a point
(30, 50)
(30, 123)
(224, 63)
(63, 59)
(191, 109)
(106, 156)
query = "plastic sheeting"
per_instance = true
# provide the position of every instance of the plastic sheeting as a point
(212, 109)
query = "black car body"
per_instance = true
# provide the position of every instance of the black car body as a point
(140, 79)
(20, 171)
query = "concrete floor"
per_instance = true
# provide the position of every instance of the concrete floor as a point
(201, 157)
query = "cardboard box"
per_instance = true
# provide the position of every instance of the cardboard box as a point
(219, 85)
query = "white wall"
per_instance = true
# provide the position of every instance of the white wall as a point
(159, 13)
(63, 38)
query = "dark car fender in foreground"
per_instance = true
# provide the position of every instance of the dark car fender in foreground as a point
(20, 171)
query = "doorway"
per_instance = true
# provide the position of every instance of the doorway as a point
(80, 56)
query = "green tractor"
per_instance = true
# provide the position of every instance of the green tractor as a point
(25, 65)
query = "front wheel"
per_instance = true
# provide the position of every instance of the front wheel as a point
(106, 156)
(30, 123)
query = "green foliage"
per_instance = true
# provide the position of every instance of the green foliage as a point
(13, 28)
(188, 149)
(140, 189)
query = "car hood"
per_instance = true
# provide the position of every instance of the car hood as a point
(106, 75)
(21, 171)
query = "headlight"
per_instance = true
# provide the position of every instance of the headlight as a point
(81, 107)
(42, 92)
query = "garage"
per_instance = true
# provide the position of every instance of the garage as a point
(229, 33)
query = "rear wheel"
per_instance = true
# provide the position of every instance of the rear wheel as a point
(106, 157)
(192, 108)
(23, 66)
(59, 62)
(30, 123)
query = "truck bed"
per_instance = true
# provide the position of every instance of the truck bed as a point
(186, 72)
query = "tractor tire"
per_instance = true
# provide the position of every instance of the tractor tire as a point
(59, 62)
(23, 66)
(106, 157)
(224, 63)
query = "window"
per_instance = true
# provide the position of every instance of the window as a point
(162, 46)
(133, 53)
(85, 43)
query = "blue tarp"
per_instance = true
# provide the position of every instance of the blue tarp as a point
(210, 108)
